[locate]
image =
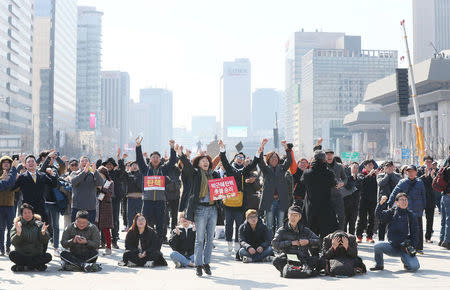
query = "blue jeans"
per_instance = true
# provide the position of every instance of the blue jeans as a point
(134, 206)
(177, 257)
(6, 223)
(257, 257)
(445, 219)
(380, 248)
(274, 216)
(233, 216)
(91, 215)
(154, 213)
(205, 219)
(53, 215)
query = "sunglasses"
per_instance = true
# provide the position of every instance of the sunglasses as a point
(240, 157)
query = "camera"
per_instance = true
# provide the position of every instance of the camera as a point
(408, 248)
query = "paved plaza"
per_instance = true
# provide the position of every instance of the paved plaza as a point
(229, 274)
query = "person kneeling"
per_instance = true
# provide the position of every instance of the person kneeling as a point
(30, 237)
(182, 242)
(142, 246)
(340, 255)
(402, 234)
(295, 241)
(82, 239)
(254, 238)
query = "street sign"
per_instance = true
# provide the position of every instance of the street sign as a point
(350, 156)
(405, 153)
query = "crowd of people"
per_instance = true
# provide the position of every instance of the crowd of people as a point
(305, 217)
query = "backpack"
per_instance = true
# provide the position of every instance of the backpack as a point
(298, 270)
(439, 183)
(345, 267)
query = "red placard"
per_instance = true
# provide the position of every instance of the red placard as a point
(222, 188)
(154, 183)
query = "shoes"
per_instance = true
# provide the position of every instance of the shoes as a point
(149, 264)
(359, 239)
(92, 267)
(8, 250)
(114, 245)
(370, 240)
(420, 252)
(237, 247)
(102, 246)
(199, 271)
(230, 247)
(17, 268)
(41, 268)
(269, 259)
(444, 244)
(122, 264)
(2, 253)
(178, 265)
(246, 259)
(377, 268)
(56, 253)
(207, 269)
(131, 264)
(237, 257)
(107, 252)
(428, 241)
(70, 267)
(125, 229)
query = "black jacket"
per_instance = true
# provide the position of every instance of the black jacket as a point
(149, 242)
(369, 187)
(285, 235)
(299, 186)
(119, 176)
(249, 238)
(329, 253)
(135, 182)
(428, 182)
(183, 243)
(173, 183)
(402, 225)
(34, 193)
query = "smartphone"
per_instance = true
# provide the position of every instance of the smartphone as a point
(15, 156)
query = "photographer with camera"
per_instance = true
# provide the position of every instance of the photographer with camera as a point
(402, 234)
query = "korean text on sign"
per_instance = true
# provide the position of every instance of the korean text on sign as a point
(222, 188)
(154, 183)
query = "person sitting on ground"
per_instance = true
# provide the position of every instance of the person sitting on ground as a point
(82, 239)
(254, 238)
(142, 246)
(402, 234)
(182, 242)
(30, 237)
(340, 255)
(295, 239)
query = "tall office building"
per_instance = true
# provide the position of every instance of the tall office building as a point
(265, 103)
(115, 101)
(297, 46)
(333, 83)
(16, 41)
(89, 41)
(431, 22)
(54, 73)
(236, 99)
(158, 129)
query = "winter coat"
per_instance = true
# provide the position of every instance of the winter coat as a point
(415, 190)
(369, 187)
(398, 229)
(135, 183)
(10, 180)
(91, 233)
(31, 242)
(329, 253)
(58, 170)
(249, 238)
(339, 174)
(148, 170)
(84, 189)
(239, 174)
(105, 212)
(6, 194)
(195, 178)
(183, 243)
(275, 181)
(318, 211)
(428, 183)
(148, 241)
(119, 176)
(251, 190)
(284, 236)
(387, 183)
(186, 181)
(299, 186)
(173, 183)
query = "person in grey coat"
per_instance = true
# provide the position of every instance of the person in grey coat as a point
(84, 188)
(337, 200)
(275, 196)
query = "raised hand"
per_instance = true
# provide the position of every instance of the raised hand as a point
(124, 156)
(319, 141)
(22, 158)
(139, 140)
(94, 166)
(52, 154)
(44, 228)
(49, 171)
(118, 153)
(18, 226)
(64, 158)
(220, 144)
(171, 143)
(145, 155)
(284, 144)
(188, 153)
(179, 150)
(15, 163)
(86, 168)
(383, 199)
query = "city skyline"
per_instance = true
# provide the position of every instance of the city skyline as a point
(173, 48)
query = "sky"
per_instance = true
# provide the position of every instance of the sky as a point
(181, 44)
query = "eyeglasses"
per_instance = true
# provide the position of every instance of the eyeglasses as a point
(240, 157)
(402, 199)
(74, 164)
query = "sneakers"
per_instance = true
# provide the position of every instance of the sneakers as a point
(178, 265)
(359, 239)
(56, 252)
(230, 247)
(102, 246)
(199, 271)
(114, 245)
(420, 252)
(92, 267)
(17, 268)
(2, 253)
(370, 240)
(269, 259)
(207, 269)
(149, 264)
(107, 252)
(69, 267)
(246, 259)
(41, 268)
(377, 268)
(121, 264)
(428, 241)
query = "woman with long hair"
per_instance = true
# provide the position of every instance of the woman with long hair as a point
(104, 207)
(142, 245)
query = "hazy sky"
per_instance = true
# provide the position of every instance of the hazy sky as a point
(181, 44)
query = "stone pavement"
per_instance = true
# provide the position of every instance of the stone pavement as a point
(229, 274)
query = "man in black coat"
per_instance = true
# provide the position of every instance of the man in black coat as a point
(254, 239)
(318, 180)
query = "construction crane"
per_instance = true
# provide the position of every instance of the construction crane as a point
(420, 140)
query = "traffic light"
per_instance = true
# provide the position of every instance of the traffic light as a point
(402, 90)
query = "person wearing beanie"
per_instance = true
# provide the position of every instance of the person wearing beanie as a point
(296, 239)
(234, 213)
(319, 214)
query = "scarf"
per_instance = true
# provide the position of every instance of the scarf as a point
(203, 185)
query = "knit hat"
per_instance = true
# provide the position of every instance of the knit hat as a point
(295, 209)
